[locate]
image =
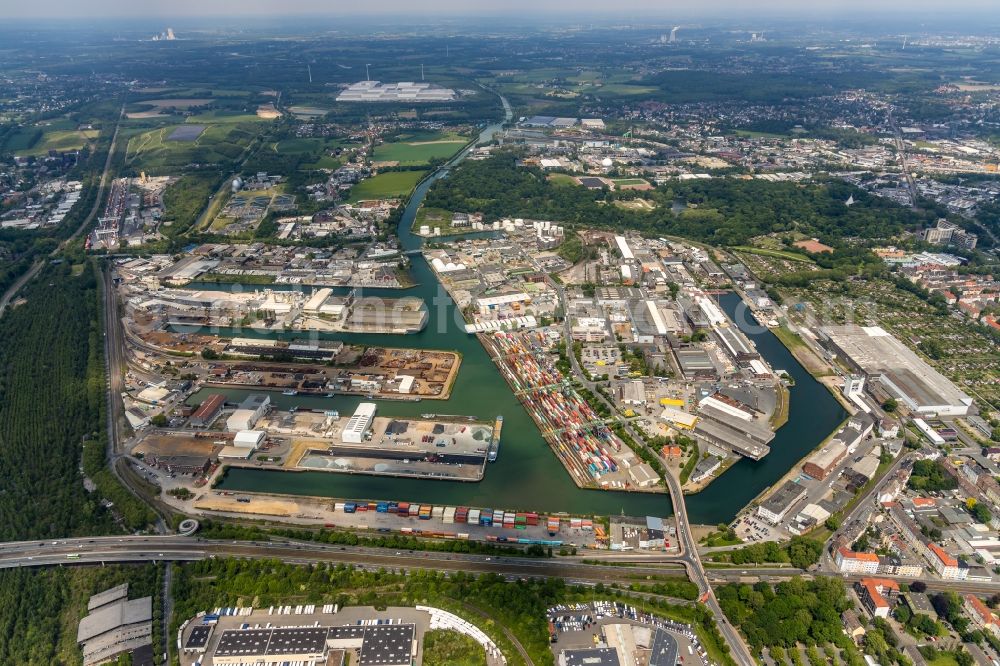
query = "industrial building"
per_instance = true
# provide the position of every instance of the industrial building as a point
(359, 423)
(404, 91)
(774, 508)
(208, 411)
(249, 412)
(378, 645)
(115, 626)
(821, 463)
(897, 370)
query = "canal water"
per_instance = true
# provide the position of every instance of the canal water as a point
(526, 475)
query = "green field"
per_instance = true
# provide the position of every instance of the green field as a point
(386, 185)
(562, 179)
(625, 182)
(51, 140)
(419, 149)
(220, 143)
(209, 117)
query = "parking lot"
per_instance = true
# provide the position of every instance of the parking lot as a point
(579, 626)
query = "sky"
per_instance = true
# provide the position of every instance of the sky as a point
(523, 8)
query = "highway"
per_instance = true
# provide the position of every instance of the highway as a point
(99, 550)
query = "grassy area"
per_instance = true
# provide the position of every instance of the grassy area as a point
(58, 140)
(221, 143)
(759, 135)
(778, 254)
(562, 179)
(387, 185)
(780, 415)
(802, 352)
(209, 117)
(450, 648)
(625, 182)
(419, 149)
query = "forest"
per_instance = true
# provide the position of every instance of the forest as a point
(40, 608)
(50, 395)
(722, 211)
(793, 612)
(801, 552)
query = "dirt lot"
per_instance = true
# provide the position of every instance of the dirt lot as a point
(260, 505)
(176, 445)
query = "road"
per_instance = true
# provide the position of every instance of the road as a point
(11, 292)
(688, 547)
(901, 149)
(98, 550)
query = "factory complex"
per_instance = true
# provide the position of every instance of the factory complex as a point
(404, 91)
(897, 371)
(319, 635)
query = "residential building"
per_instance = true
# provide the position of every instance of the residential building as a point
(877, 595)
(849, 561)
(944, 564)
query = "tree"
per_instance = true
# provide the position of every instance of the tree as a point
(160, 420)
(209, 354)
(890, 405)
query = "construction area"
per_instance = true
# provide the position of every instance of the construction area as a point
(386, 373)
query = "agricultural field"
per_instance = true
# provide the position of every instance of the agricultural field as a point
(419, 149)
(156, 152)
(387, 185)
(30, 143)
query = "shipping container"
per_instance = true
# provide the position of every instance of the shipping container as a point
(382, 507)
(403, 508)
(473, 518)
(339, 506)
(438, 512)
(350, 507)
(449, 514)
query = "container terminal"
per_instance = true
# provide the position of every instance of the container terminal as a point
(590, 452)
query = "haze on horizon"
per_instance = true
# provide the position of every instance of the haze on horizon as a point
(57, 9)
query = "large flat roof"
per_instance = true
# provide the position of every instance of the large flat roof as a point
(382, 645)
(112, 616)
(878, 353)
(592, 657)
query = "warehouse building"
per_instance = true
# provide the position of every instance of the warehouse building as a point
(359, 423)
(115, 626)
(897, 370)
(377, 645)
(820, 464)
(774, 508)
(404, 91)
(208, 411)
(249, 412)
(695, 363)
